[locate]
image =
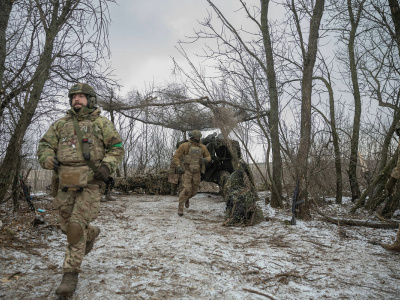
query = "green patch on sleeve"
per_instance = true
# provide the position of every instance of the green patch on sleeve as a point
(119, 145)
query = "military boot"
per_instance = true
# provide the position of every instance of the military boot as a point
(180, 209)
(92, 235)
(396, 245)
(106, 198)
(187, 203)
(109, 198)
(68, 284)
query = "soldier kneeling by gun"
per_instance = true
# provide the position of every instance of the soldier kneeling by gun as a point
(195, 155)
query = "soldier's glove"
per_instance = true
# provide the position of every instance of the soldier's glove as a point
(180, 170)
(390, 184)
(51, 163)
(102, 173)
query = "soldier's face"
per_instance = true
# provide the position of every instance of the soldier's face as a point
(79, 101)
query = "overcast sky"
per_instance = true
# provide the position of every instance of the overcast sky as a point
(143, 36)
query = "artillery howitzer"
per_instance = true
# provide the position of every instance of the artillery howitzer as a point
(221, 164)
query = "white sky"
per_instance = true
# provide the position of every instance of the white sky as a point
(143, 36)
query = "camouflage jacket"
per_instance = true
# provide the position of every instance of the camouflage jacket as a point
(61, 140)
(183, 150)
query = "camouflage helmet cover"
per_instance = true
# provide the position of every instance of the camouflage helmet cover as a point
(196, 134)
(87, 90)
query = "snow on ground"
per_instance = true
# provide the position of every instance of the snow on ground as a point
(146, 251)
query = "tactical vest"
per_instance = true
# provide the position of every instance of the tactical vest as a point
(69, 151)
(192, 159)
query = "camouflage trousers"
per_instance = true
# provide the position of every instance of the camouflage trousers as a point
(82, 208)
(191, 182)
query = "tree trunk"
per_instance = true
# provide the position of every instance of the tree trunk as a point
(5, 8)
(16, 187)
(388, 139)
(273, 117)
(395, 11)
(355, 189)
(376, 192)
(391, 204)
(335, 138)
(306, 91)
(10, 161)
(383, 174)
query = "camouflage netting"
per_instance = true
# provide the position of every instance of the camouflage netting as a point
(241, 207)
(156, 184)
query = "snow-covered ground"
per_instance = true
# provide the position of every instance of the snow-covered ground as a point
(146, 251)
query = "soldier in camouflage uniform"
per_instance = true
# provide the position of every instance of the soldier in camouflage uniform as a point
(194, 157)
(240, 197)
(83, 148)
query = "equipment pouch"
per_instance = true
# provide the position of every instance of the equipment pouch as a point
(194, 168)
(73, 177)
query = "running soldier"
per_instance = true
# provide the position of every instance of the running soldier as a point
(194, 157)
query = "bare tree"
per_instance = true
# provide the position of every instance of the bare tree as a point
(5, 8)
(381, 73)
(308, 55)
(354, 12)
(44, 35)
(395, 13)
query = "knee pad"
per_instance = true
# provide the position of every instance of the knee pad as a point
(74, 233)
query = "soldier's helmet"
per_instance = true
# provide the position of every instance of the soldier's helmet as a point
(87, 90)
(195, 135)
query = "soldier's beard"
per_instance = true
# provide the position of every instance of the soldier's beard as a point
(77, 109)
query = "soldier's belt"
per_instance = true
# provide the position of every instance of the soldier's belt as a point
(80, 189)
